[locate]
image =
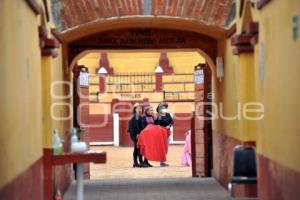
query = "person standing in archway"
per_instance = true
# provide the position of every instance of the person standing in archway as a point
(135, 127)
(148, 118)
(164, 119)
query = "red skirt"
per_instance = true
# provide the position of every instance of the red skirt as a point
(153, 143)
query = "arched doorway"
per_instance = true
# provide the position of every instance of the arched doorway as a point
(129, 34)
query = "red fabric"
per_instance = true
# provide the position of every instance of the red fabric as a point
(153, 143)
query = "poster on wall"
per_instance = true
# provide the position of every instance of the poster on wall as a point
(199, 76)
(84, 79)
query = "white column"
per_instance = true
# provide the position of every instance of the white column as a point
(79, 173)
(116, 129)
(172, 132)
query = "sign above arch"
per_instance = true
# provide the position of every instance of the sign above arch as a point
(143, 38)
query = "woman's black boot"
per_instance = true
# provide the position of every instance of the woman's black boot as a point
(136, 164)
(147, 163)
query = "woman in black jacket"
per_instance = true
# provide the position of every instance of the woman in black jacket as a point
(135, 127)
(165, 120)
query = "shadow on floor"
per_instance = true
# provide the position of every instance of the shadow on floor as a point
(151, 189)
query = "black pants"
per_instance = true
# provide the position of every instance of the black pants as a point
(136, 153)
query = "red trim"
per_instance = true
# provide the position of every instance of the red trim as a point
(35, 7)
(49, 52)
(57, 34)
(241, 39)
(102, 84)
(262, 3)
(104, 62)
(27, 185)
(158, 81)
(276, 181)
(223, 146)
(51, 43)
(68, 158)
(43, 32)
(48, 179)
(242, 49)
(165, 64)
(51, 160)
(252, 28)
(231, 31)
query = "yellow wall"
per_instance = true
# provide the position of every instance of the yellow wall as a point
(55, 99)
(278, 134)
(20, 86)
(143, 61)
(26, 125)
(61, 89)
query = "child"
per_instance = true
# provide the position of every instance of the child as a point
(186, 159)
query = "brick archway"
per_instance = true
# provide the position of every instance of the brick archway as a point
(196, 35)
(143, 33)
(73, 13)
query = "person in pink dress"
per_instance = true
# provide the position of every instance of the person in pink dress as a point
(186, 158)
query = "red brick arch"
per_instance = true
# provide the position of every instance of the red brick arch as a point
(205, 38)
(72, 13)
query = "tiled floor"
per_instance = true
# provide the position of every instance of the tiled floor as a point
(151, 189)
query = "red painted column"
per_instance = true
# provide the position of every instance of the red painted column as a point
(102, 83)
(48, 177)
(158, 82)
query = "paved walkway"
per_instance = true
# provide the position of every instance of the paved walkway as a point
(119, 165)
(151, 189)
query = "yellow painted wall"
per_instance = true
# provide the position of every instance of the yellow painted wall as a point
(143, 61)
(26, 125)
(278, 134)
(56, 99)
(20, 85)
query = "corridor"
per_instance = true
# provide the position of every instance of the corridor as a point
(219, 79)
(151, 189)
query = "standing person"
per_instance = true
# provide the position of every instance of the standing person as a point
(135, 126)
(186, 158)
(165, 120)
(148, 118)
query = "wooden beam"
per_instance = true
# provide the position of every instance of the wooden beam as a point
(35, 7)
(252, 28)
(49, 52)
(43, 32)
(241, 39)
(57, 34)
(242, 49)
(86, 157)
(51, 43)
(231, 31)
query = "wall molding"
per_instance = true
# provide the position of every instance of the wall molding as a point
(35, 7)
(262, 3)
